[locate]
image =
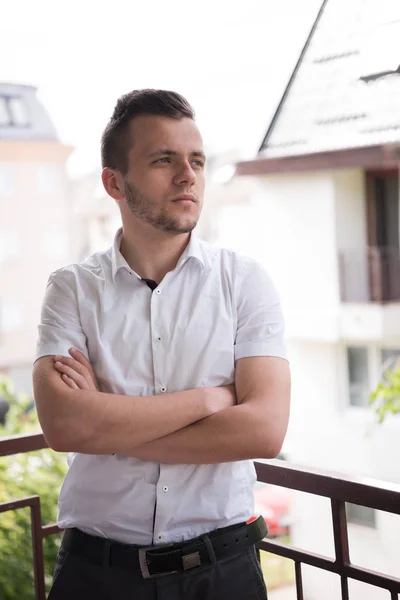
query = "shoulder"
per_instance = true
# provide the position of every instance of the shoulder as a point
(93, 266)
(235, 262)
(248, 278)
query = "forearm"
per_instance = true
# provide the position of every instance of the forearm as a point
(237, 433)
(97, 423)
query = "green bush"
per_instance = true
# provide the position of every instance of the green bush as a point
(385, 399)
(34, 473)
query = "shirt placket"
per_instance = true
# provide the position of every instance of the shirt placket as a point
(159, 347)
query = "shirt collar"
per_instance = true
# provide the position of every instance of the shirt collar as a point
(117, 260)
(192, 250)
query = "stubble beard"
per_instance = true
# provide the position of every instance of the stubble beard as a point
(144, 208)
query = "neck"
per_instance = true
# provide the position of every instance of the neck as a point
(150, 252)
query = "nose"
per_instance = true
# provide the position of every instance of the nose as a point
(185, 174)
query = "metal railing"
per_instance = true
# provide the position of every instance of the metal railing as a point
(370, 275)
(372, 494)
(20, 444)
(376, 495)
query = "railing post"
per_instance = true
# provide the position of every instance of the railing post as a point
(299, 581)
(340, 536)
(37, 546)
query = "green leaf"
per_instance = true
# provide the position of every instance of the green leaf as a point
(40, 473)
(385, 399)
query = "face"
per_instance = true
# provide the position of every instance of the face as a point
(164, 184)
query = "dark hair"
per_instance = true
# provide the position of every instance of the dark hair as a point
(116, 141)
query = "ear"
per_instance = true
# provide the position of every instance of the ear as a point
(113, 183)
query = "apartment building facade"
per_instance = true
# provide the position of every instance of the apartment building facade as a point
(35, 222)
(323, 212)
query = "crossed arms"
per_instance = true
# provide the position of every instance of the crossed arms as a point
(200, 426)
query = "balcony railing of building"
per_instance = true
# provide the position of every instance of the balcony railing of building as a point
(372, 494)
(370, 275)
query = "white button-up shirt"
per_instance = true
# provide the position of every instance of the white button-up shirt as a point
(215, 307)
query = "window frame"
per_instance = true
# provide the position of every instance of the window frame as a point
(371, 366)
(12, 122)
(4, 104)
(10, 178)
(25, 112)
(365, 413)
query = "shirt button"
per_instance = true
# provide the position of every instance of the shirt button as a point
(159, 339)
(163, 389)
(159, 537)
(158, 291)
(165, 488)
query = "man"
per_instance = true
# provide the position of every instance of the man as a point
(161, 368)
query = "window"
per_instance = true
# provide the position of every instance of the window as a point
(4, 114)
(389, 357)
(11, 317)
(9, 245)
(49, 179)
(358, 376)
(360, 515)
(383, 214)
(6, 177)
(18, 112)
(13, 112)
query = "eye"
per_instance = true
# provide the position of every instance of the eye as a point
(198, 163)
(164, 160)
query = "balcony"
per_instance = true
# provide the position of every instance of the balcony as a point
(370, 293)
(339, 491)
(370, 275)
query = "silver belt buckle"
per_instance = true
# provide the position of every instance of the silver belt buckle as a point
(143, 562)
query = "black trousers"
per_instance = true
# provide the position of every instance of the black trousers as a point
(236, 577)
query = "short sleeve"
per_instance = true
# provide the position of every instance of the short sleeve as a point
(260, 323)
(60, 325)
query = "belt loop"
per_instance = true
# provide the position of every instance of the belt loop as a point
(106, 554)
(210, 548)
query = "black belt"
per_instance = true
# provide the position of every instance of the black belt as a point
(154, 561)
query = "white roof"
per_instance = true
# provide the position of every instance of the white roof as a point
(338, 96)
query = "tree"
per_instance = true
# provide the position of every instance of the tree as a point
(385, 399)
(23, 475)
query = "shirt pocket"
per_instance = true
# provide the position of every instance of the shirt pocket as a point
(204, 342)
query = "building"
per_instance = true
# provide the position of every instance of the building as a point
(96, 216)
(323, 215)
(35, 217)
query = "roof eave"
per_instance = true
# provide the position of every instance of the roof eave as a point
(386, 156)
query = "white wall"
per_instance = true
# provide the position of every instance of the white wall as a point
(350, 209)
(39, 220)
(289, 226)
(300, 241)
(351, 229)
(325, 433)
(295, 225)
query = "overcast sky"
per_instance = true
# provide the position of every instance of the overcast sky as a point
(230, 58)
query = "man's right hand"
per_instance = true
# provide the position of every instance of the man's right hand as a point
(78, 373)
